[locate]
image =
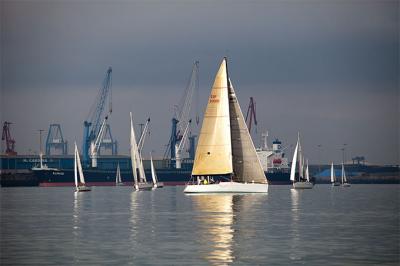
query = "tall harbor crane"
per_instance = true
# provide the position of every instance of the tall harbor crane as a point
(10, 142)
(251, 115)
(181, 120)
(93, 124)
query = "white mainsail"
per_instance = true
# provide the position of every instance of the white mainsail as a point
(78, 159)
(75, 167)
(333, 178)
(214, 148)
(307, 173)
(134, 153)
(246, 164)
(294, 161)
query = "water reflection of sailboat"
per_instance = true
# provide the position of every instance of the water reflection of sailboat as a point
(295, 244)
(216, 231)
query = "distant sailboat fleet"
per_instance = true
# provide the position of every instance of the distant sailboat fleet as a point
(225, 160)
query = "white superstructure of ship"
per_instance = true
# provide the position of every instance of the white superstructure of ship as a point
(272, 158)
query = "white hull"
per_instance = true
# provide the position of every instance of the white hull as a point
(144, 186)
(82, 188)
(158, 185)
(303, 185)
(345, 185)
(227, 187)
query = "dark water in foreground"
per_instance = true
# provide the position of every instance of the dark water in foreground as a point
(115, 226)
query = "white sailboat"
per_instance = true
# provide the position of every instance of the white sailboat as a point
(333, 177)
(344, 179)
(80, 186)
(302, 182)
(139, 177)
(225, 148)
(118, 180)
(156, 184)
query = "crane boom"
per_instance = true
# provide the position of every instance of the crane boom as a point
(92, 123)
(143, 136)
(181, 118)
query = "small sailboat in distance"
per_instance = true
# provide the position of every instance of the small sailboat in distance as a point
(80, 186)
(139, 177)
(301, 182)
(225, 149)
(333, 177)
(156, 184)
(344, 179)
(118, 180)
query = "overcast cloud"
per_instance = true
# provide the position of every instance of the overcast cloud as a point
(329, 69)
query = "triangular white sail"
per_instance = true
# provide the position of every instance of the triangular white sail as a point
(78, 160)
(301, 162)
(333, 178)
(141, 170)
(118, 179)
(75, 167)
(246, 164)
(344, 179)
(134, 153)
(294, 161)
(214, 150)
(153, 172)
(307, 173)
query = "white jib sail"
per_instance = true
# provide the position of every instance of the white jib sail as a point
(293, 168)
(307, 173)
(153, 172)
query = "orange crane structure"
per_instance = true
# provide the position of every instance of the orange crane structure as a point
(10, 142)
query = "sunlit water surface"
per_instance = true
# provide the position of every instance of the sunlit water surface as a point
(116, 226)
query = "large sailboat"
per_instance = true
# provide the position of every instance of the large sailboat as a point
(225, 150)
(333, 177)
(139, 176)
(303, 180)
(80, 185)
(344, 179)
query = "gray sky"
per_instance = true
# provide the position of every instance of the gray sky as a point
(329, 69)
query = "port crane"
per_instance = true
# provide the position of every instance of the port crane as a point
(94, 124)
(181, 120)
(55, 140)
(10, 142)
(251, 115)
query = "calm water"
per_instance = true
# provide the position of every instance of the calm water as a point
(113, 225)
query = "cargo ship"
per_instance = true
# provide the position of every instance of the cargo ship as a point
(274, 162)
(57, 170)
